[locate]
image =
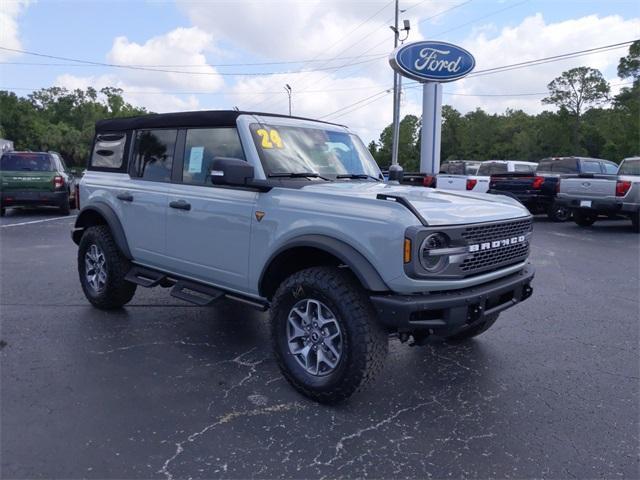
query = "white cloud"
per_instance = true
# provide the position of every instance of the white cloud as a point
(304, 29)
(182, 46)
(152, 98)
(533, 38)
(9, 28)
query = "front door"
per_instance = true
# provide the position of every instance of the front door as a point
(209, 227)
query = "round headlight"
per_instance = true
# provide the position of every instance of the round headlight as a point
(433, 263)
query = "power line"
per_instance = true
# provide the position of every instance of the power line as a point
(161, 70)
(178, 65)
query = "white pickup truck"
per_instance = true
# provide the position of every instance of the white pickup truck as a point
(478, 181)
(590, 195)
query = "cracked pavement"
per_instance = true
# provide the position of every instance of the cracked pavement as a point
(167, 390)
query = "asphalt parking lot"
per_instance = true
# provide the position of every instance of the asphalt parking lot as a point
(163, 389)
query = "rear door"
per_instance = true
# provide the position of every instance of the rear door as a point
(209, 227)
(143, 197)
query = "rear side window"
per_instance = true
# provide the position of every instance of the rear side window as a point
(488, 169)
(153, 154)
(630, 167)
(610, 168)
(566, 165)
(202, 146)
(27, 162)
(591, 167)
(519, 167)
(108, 151)
(544, 166)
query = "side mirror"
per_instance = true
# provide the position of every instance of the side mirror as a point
(231, 171)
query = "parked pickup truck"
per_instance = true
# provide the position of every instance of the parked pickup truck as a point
(537, 191)
(35, 179)
(589, 195)
(478, 180)
(292, 215)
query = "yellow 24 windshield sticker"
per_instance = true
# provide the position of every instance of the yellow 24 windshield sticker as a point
(270, 138)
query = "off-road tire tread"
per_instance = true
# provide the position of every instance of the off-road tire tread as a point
(119, 291)
(369, 350)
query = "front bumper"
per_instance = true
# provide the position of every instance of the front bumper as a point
(26, 198)
(446, 313)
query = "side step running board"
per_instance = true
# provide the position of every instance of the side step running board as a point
(195, 293)
(145, 277)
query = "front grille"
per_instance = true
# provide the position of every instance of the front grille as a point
(499, 256)
(497, 231)
(496, 257)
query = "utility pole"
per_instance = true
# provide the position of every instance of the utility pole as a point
(287, 88)
(395, 170)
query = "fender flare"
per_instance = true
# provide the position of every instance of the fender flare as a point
(359, 265)
(111, 219)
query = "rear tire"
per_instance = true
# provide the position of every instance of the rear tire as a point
(558, 213)
(325, 335)
(65, 205)
(2, 211)
(584, 219)
(635, 222)
(474, 331)
(102, 269)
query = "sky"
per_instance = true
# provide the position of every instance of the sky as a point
(176, 55)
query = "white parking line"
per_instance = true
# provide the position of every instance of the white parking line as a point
(68, 217)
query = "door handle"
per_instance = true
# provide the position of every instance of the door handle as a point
(180, 205)
(125, 197)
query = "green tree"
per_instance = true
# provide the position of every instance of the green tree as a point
(574, 91)
(59, 119)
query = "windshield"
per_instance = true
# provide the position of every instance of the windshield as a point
(630, 167)
(295, 150)
(34, 162)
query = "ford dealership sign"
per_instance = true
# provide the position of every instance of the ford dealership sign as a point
(432, 61)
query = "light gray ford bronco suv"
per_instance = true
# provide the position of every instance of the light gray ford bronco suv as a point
(292, 215)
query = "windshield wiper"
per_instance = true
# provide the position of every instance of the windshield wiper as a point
(358, 175)
(298, 175)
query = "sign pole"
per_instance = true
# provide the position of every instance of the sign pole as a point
(431, 128)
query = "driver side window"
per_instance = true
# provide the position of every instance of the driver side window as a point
(202, 146)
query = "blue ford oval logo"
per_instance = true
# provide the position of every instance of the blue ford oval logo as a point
(432, 61)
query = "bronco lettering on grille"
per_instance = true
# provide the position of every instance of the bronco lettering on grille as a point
(480, 247)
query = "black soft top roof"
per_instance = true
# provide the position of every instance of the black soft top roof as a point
(203, 118)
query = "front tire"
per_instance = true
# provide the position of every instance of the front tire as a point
(324, 331)
(584, 219)
(102, 269)
(558, 213)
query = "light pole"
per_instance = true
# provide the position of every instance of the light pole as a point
(395, 170)
(287, 89)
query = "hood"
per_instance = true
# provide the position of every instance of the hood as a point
(437, 207)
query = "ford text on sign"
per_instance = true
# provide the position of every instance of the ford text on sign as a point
(432, 61)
